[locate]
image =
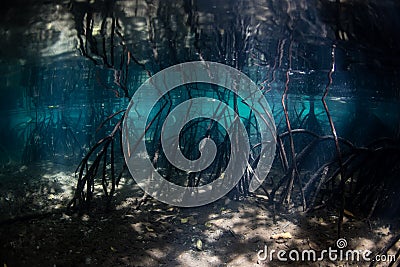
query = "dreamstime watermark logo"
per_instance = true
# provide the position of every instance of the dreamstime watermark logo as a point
(332, 254)
(136, 123)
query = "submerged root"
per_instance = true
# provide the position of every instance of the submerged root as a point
(370, 176)
(103, 156)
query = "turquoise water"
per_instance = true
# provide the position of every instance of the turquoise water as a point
(71, 101)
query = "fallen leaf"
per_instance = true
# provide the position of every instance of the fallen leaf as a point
(113, 249)
(208, 224)
(184, 220)
(262, 197)
(199, 244)
(284, 235)
(349, 214)
(149, 229)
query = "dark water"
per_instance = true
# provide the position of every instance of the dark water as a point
(67, 65)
